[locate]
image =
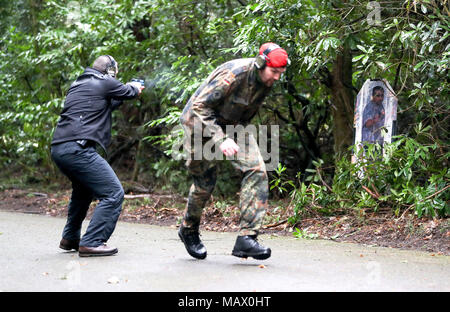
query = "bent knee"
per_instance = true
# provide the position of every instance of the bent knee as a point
(116, 196)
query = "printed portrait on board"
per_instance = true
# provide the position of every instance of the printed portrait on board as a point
(375, 113)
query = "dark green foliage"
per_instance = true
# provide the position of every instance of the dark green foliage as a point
(407, 175)
(174, 45)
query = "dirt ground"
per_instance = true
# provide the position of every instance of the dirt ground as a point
(376, 229)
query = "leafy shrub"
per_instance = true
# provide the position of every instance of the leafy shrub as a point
(404, 175)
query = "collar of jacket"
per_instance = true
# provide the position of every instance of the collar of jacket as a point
(89, 72)
(92, 71)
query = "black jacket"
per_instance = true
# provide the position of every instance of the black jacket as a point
(88, 107)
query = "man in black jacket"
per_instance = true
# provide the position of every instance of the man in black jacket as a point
(84, 123)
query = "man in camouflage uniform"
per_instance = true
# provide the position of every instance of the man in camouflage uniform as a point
(230, 96)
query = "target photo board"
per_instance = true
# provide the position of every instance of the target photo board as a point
(375, 117)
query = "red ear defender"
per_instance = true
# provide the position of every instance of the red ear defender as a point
(272, 55)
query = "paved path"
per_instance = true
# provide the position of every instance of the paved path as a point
(152, 258)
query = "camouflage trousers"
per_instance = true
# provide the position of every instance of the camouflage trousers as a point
(253, 193)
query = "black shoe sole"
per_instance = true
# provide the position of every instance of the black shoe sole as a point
(245, 255)
(97, 254)
(196, 256)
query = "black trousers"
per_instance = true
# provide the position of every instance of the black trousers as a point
(91, 177)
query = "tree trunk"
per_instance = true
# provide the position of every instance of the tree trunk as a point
(136, 162)
(342, 101)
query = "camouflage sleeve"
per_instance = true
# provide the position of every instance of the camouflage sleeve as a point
(207, 100)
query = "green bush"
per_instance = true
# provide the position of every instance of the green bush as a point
(404, 175)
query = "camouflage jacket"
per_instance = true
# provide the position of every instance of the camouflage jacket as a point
(231, 95)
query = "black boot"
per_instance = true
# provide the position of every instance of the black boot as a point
(248, 246)
(192, 242)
